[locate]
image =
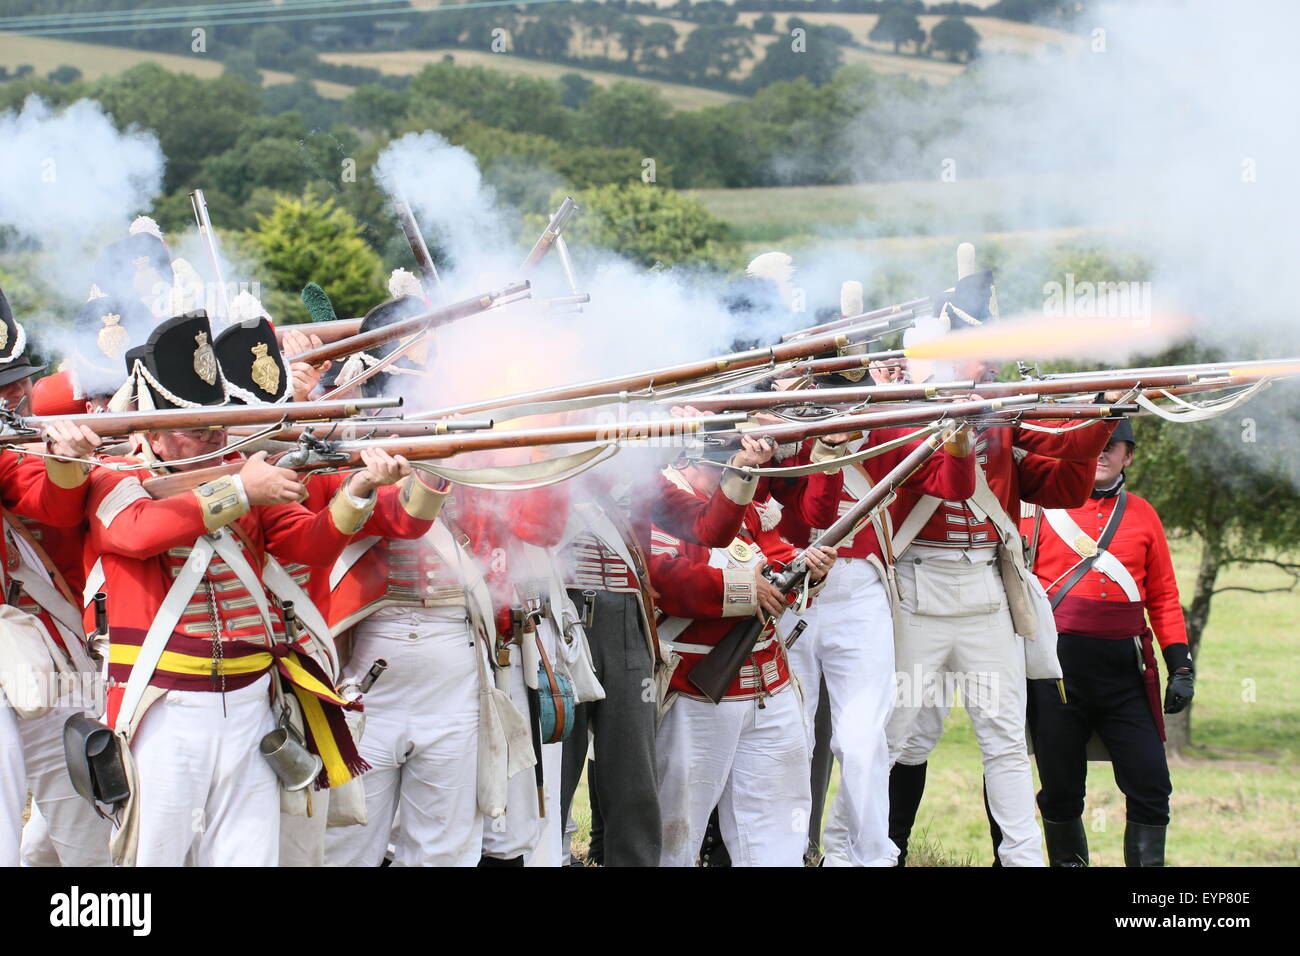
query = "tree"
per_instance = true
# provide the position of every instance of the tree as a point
(308, 239)
(658, 42)
(626, 114)
(577, 89)
(898, 25)
(816, 64)
(716, 50)
(647, 224)
(373, 107)
(64, 74)
(545, 38)
(1231, 483)
(629, 30)
(764, 23)
(956, 37)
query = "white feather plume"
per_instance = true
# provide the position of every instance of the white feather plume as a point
(145, 224)
(404, 282)
(245, 307)
(851, 298)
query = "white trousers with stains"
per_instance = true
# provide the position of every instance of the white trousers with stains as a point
(751, 763)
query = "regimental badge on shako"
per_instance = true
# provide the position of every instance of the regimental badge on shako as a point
(205, 360)
(112, 338)
(266, 373)
(1085, 546)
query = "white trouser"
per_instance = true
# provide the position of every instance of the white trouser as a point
(521, 830)
(66, 831)
(751, 763)
(13, 784)
(421, 741)
(203, 783)
(849, 641)
(925, 734)
(955, 631)
(302, 836)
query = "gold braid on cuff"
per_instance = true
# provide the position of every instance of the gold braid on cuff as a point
(222, 500)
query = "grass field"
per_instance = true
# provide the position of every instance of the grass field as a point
(95, 60)
(1236, 795)
(681, 96)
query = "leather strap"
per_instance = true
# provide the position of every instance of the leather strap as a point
(1084, 566)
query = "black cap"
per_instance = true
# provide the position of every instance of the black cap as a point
(106, 327)
(1124, 432)
(178, 364)
(972, 301)
(252, 364)
(14, 361)
(386, 313)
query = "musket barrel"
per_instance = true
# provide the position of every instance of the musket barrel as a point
(111, 424)
(903, 310)
(390, 333)
(329, 331)
(669, 375)
(558, 221)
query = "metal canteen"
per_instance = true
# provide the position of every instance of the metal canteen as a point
(293, 763)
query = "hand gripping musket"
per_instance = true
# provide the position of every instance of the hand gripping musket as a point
(329, 331)
(418, 323)
(615, 389)
(313, 454)
(429, 278)
(209, 237)
(16, 428)
(716, 671)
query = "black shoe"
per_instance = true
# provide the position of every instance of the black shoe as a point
(906, 787)
(493, 861)
(1144, 845)
(1067, 843)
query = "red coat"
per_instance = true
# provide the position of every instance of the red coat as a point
(716, 600)
(1012, 478)
(142, 544)
(1139, 544)
(27, 490)
(390, 520)
(943, 476)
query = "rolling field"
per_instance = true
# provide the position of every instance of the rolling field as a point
(412, 61)
(1236, 795)
(95, 60)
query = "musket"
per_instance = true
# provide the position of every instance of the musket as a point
(839, 363)
(857, 395)
(902, 311)
(429, 278)
(117, 424)
(353, 429)
(673, 374)
(418, 323)
(1256, 367)
(558, 221)
(313, 454)
(921, 414)
(209, 237)
(713, 674)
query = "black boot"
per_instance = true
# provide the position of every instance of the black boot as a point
(1144, 845)
(1067, 843)
(906, 787)
(493, 861)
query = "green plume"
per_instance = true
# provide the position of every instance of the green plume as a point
(318, 303)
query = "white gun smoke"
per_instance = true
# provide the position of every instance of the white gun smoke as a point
(72, 183)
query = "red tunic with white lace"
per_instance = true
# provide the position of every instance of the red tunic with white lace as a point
(144, 544)
(409, 571)
(942, 475)
(655, 501)
(716, 599)
(955, 524)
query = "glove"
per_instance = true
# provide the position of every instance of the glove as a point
(1182, 682)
